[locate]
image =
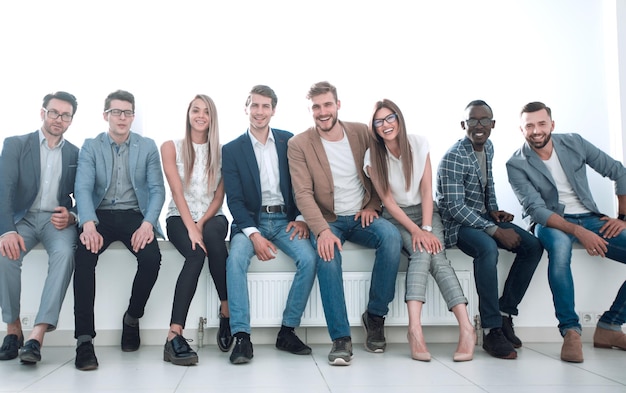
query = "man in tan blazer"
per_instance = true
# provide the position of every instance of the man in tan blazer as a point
(339, 203)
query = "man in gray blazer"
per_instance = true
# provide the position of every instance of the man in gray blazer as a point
(549, 177)
(37, 172)
(119, 194)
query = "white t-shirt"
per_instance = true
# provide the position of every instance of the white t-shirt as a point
(567, 196)
(397, 184)
(349, 190)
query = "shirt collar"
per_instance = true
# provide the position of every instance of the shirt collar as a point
(270, 138)
(44, 141)
(112, 142)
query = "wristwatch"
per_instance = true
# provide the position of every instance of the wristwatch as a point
(621, 217)
(427, 228)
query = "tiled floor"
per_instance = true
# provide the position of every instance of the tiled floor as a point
(537, 369)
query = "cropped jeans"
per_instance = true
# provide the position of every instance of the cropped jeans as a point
(484, 249)
(385, 238)
(272, 226)
(559, 247)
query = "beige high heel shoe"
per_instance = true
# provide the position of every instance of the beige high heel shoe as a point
(463, 356)
(421, 356)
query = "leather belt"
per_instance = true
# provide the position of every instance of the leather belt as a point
(273, 209)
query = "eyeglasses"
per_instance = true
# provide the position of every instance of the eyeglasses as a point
(389, 119)
(474, 122)
(118, 112)
(52, 114)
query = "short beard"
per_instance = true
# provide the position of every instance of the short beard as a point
(542, 145)
(330, 128)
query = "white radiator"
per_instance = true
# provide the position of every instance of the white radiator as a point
(268, 294)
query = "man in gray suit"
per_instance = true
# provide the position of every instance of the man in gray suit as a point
(37, 172)
(549, 177)
(119, 194)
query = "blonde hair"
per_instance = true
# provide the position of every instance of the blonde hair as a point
(213, 146)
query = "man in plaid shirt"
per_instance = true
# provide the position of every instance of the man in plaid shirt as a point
(467, 203)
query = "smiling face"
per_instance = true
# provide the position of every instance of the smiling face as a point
(387, 127)
(478, 133)
(325, 111)
(199, 118)
(260, 112)
(537, 128)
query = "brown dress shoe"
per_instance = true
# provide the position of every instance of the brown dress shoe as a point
(572, 350)
(606, 338)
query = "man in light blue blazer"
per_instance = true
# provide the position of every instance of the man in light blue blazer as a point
(260, 198)
(119, 194)
(37, 172)
(549, 177)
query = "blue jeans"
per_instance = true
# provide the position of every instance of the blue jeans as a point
(559, 247)
(385, 238)
(272, 226)
(484, 249)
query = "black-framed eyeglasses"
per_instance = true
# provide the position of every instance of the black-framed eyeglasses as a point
(52, 114)
(391, 118)
(118, 112)
(474, 122)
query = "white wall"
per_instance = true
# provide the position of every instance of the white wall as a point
(430, 57)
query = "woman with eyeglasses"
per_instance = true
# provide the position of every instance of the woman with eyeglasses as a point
(399, 166)
(195, 223)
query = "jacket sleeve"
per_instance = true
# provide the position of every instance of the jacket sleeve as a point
(233, 186)
(303, 188)
(85, 183)
(156, 186)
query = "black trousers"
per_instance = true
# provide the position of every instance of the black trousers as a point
(114, 225)
(213, 234)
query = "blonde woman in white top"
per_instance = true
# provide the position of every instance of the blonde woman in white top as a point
(400, 169)
(195, 223)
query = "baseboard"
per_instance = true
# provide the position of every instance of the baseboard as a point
(311, 335)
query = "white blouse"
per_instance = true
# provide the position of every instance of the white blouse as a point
(197, 194)
(397, 185)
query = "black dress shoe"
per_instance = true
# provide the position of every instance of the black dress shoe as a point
(86, 357)
(10, 346)
(30, 353)
(242, 353)
(288, 341)
(224, 338)
(130, 336)
(178, 351)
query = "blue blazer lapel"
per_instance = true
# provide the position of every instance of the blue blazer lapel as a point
(133, 156)
(33, 145)
(283, 167)
(105, 150)
(247, 154)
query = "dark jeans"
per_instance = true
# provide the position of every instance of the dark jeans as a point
(113, 225)
(484, 249)
(213, 234)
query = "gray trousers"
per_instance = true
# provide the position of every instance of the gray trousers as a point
(60, 246)
(423, 263)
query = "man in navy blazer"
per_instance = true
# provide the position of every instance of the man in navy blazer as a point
(260, 199)
(119, 194)
(549, 177)
(37, 172)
